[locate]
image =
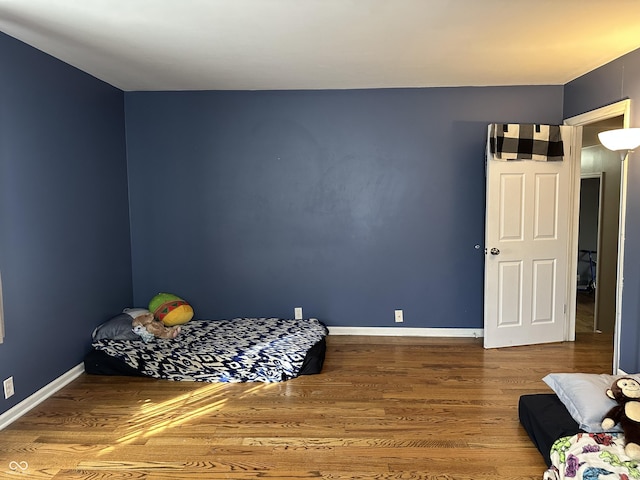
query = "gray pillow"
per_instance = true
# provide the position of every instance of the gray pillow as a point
(117, 328)
(585, 397)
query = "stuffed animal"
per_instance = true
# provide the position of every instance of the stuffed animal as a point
(142, 332)
(626, 391)
(148, 327)
(170, 309)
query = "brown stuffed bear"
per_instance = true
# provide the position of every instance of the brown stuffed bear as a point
(626, 391)
(155, 327)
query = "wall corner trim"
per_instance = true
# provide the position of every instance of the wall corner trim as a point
(408, 332)
(40, 396)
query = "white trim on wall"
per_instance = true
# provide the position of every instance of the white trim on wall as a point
(408, 332)
(40, 396)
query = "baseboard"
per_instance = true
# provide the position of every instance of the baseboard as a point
(408, 332)
(40, 396)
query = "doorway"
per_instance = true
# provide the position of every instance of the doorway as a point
(609, 261)
(588, 239)
(600, 172)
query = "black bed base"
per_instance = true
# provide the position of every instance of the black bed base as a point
(545, 419)
(99, 363)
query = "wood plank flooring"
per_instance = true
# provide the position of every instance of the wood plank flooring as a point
(383, 408)
(585, 306)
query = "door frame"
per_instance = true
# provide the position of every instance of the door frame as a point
(621, 108)
(600, 177)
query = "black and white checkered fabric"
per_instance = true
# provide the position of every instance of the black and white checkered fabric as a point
(513, 141)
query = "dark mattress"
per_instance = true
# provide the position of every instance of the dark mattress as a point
(238, 350)
(545, 419)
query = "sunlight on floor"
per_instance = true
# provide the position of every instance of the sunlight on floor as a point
(154, 418)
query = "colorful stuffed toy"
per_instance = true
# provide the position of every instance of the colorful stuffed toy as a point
(149, 328)
(170, 309)
(626, 391)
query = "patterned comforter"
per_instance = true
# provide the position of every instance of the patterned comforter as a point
(591, 456)
(239, 350)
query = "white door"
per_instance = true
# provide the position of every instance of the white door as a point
(526, 241)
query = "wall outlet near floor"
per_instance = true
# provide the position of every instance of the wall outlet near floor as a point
(399, 316)
(8, 387)
(297, 313)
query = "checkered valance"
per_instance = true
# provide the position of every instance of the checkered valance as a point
(514, 141)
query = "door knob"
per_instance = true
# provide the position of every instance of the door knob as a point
(495, 251)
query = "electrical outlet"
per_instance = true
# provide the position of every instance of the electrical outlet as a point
(8, 387)
(297, 313)
(399, 316)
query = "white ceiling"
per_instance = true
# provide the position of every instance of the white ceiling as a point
(326, 44)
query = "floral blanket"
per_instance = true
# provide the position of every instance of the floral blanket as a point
(591, 456)
(239, 350)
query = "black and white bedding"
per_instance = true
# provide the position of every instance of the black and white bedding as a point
(238, 350)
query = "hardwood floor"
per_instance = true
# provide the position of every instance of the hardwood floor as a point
(585, 305)
(383, 408)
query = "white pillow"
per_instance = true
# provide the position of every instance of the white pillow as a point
(135, 312)
(585, 397)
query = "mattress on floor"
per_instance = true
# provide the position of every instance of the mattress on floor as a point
(545, 419)
(238, 350)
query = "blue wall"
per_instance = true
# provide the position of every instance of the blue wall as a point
(64, 237)
(616, 81)
(348, 203)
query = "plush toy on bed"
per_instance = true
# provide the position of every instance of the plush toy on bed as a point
(170, 309)
(626, 391)
(146, 326)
